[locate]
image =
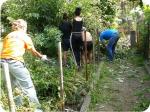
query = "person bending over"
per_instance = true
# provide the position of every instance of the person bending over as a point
(112, 35)
(87, 46)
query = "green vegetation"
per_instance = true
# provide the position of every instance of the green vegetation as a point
(113, 86)
(99, 94)
(44, 16)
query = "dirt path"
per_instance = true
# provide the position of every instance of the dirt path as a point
(127, 87)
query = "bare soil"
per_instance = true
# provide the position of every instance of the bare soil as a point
(130, 85)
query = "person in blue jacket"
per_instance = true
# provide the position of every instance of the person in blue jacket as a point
(112, 35)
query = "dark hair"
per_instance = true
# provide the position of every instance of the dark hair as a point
(77, 11)
(65, 16)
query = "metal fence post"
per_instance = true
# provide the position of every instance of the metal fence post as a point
(61, 77)
(9, 88)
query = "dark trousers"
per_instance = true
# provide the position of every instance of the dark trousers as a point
(76, 42)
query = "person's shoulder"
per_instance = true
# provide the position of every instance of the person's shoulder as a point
(78, 18)
(12, 34)
(104, 31)
(22, 33)
(88, 33)
(68, 22)
(110, 30)
(115, 30)
(27, 37)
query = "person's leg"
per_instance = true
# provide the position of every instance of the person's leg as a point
(66, 46)
(22, 75)
(90, 56)
(109, 52)
(83, 57)
(77, 57)
(65, 58)
(83, 53)
(76, 47)
(90, 51)
(87, 53)
(64, 51)
(110, 48)
(114, 46)
(80, 47)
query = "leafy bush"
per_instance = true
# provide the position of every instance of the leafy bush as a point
(143, 30)
(38, 13)
(46, 78)
(47, 41)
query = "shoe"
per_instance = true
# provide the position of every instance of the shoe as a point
(79, 68)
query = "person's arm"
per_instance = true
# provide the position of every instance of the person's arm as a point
(29, 46)
(102, 41)
(37, 54)
(61, 26)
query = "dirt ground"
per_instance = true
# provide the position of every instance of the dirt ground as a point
(129, 85)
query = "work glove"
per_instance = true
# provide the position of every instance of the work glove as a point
(44, 58)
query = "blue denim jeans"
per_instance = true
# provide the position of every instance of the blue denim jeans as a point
(20, 77)
(111, 46)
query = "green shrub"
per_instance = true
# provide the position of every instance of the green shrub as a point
(47, 41)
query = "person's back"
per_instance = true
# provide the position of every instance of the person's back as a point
(77, 24)
(87, 46)
(76, 39)
(108, 33)
(66, 28)
(88, 36)
(14, 45)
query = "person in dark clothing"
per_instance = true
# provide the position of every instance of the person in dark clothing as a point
(65, 27)
(76, 40)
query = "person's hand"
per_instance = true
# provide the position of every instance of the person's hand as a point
(104, 46)
(44, 58)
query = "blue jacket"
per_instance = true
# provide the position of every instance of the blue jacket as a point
(108, 33)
